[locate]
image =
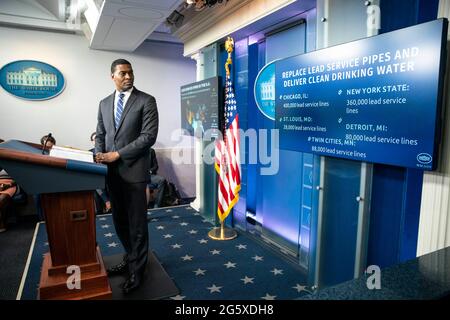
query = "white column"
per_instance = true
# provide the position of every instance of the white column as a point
(199, 58)
(434, 224)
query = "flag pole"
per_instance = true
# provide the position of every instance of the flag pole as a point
(222, 232)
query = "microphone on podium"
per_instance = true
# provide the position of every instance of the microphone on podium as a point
(45, 142)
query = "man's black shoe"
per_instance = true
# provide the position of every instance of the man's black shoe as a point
(118, 269)
(132, 283)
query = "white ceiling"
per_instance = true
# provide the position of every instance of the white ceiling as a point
(119, 25)
(47, 14)
(124, 24)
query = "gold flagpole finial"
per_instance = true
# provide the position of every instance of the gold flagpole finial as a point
(229, 46)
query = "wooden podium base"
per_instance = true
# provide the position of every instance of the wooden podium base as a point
(93, 285)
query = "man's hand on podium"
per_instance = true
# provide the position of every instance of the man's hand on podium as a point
(108, 157)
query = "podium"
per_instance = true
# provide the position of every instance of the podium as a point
(73, 269)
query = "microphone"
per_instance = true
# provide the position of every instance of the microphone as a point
(45, 142)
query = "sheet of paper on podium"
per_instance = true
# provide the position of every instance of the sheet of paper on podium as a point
(71, 153)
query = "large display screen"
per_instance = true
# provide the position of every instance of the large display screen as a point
(200, 106)
(377, 99)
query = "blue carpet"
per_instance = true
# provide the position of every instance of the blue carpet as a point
(203, 269)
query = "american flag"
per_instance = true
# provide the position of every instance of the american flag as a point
(227, 156)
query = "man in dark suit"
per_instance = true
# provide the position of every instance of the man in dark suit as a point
(127, 127)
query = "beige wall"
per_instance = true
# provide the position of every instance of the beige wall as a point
(160, 69)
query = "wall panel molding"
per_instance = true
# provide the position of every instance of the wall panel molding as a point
(434, 225)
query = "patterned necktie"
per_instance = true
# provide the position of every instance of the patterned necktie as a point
(119, 109)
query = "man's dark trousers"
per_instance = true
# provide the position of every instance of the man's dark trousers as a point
(129, 211)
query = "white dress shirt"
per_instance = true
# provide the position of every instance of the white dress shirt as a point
(125, 99)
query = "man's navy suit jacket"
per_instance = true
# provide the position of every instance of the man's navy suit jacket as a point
(136, 133)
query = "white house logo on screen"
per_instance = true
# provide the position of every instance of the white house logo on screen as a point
(31, 80)
(264, 91)
(424, 158)
(267, 92)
